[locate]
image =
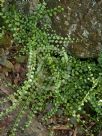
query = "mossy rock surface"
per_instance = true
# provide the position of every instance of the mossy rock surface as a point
(82, 20)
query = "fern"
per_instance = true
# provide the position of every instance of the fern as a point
(53, 76)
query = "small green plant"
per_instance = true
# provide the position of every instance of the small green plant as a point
(53, 77)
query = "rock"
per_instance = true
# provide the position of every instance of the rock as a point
(24, 6)
(82, 20)
(36, 129)
(27, 7)
(100, 133)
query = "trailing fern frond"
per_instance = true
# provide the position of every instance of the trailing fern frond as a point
(53, 76)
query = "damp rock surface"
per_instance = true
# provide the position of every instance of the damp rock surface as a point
(24, 6)
(35, 129)
(82, 20)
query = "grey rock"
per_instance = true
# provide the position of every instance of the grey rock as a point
(82, 20)
(24, 6)
(36, 129)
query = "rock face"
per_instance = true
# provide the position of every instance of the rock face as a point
(36, 129)
(81, 19)
(24, 6)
